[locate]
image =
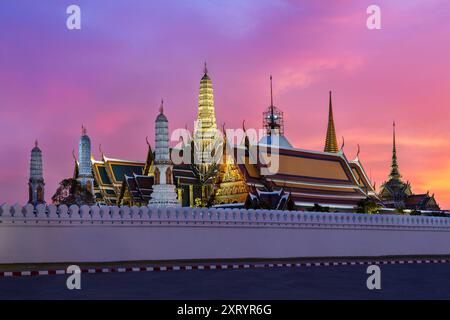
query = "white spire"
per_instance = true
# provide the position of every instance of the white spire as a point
(36, 163)
(161, 137)
(163, 194)
(84, 162)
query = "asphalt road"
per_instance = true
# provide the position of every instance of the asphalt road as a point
(408, 281)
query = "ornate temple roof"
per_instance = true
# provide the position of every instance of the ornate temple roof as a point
(323, 177)
(112, 176)
(272, 200)
(361, 176)
(421, 202)
(394, 191)
(310, 176)
(109, 175)
(139, 188)
(278, 140)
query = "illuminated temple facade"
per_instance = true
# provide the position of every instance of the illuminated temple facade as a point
(304, 178)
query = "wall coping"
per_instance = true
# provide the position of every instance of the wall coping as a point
(152, 216)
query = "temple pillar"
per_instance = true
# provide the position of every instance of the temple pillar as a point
(180, 195)
(191, 195)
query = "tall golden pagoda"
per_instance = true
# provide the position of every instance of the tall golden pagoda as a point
(331, 142)
(205, 131)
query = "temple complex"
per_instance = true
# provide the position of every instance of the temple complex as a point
(303, 179)
(306, 177)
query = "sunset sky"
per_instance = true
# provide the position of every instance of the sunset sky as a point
(111, 75)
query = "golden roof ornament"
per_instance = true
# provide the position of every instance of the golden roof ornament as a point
(330, 140)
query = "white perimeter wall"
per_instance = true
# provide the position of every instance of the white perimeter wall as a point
(96, 234)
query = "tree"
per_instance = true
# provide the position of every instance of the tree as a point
(399, 210)
(367, 205)
(71, 192)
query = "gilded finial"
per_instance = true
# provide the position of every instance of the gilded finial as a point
(330, 140)
(205, 68)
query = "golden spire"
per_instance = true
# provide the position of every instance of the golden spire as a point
(205, 127)
(331, 142)
(395, 174)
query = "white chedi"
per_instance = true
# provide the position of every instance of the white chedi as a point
(163, 194)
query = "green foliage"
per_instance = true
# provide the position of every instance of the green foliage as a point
(205, 180)
(367, 205)
(70, 192)
(399, 210)
(200, 203)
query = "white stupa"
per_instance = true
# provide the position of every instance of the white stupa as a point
(164, 194)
